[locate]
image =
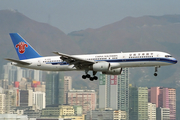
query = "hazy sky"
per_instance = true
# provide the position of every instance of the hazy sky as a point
(74, 15)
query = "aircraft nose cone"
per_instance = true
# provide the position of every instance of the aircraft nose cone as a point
(175, 61)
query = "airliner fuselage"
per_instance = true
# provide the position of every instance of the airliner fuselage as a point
(117, 60)
(109, 63)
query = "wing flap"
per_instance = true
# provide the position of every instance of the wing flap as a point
(18, 61)
(78, 62)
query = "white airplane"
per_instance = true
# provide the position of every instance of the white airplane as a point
(110, 63)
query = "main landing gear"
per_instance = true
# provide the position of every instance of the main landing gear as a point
(156, 70)
(89, 76)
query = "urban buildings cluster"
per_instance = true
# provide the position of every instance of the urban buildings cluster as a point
(35, 95)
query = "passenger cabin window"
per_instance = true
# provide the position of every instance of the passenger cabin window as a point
(168, 56)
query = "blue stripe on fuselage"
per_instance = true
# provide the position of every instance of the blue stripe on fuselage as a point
(173, 61)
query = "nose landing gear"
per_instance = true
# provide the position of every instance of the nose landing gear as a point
(156, 70)
(155, 74)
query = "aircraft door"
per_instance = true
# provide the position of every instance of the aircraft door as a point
(124, 58)
(39, 63)
(157, 57)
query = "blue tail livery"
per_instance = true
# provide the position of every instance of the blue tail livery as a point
(23, 48)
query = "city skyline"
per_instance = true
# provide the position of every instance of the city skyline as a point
(115, 93)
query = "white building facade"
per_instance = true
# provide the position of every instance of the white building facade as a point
(2, 103)
(151, 111)
(39, 100)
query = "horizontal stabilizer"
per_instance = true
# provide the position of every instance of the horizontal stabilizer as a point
(18, 61)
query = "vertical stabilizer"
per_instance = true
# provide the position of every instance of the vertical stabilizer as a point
(23, 48)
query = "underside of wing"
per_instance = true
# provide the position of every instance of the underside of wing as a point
(18, 61)
(77, 62)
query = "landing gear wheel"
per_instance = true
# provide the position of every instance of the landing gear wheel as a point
(155, 74)
(83, 76)
(91, 78)
(88, 76)
(95, 77)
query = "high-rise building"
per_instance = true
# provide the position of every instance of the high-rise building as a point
(11, 99)
(123, 91)
(84, 98)
(26, 98)
(2, 103)
(162, 114)
(138, 104)
(164, 98)
(172, 103)
(108, 91)
(4, 83)
(151, 111)
(39, 100)
(54, 88)
(114, 91)
(103, 91)
(142, 103)
(133, 103)
(67, 86)
(159, 96)
(12, 73)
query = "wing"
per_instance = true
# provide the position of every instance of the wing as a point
(18, 61)
(77, 62)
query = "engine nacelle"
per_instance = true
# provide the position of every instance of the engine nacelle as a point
(101, 66)
(113, 72)
(115, 65)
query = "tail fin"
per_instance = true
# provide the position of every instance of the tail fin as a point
(23, 48)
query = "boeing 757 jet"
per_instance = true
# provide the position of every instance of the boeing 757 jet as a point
(109, 63)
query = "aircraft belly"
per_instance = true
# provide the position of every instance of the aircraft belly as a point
(50, 67)
(62, 68)
(144, 64)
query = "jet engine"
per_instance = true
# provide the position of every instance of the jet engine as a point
(101, 66)
(113, 71)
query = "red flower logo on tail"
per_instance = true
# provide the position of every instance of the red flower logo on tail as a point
(21, 46)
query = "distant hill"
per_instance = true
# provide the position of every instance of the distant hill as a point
(43, 37)
(132, 34)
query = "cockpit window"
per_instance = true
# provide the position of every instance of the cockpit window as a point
(168, 56)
